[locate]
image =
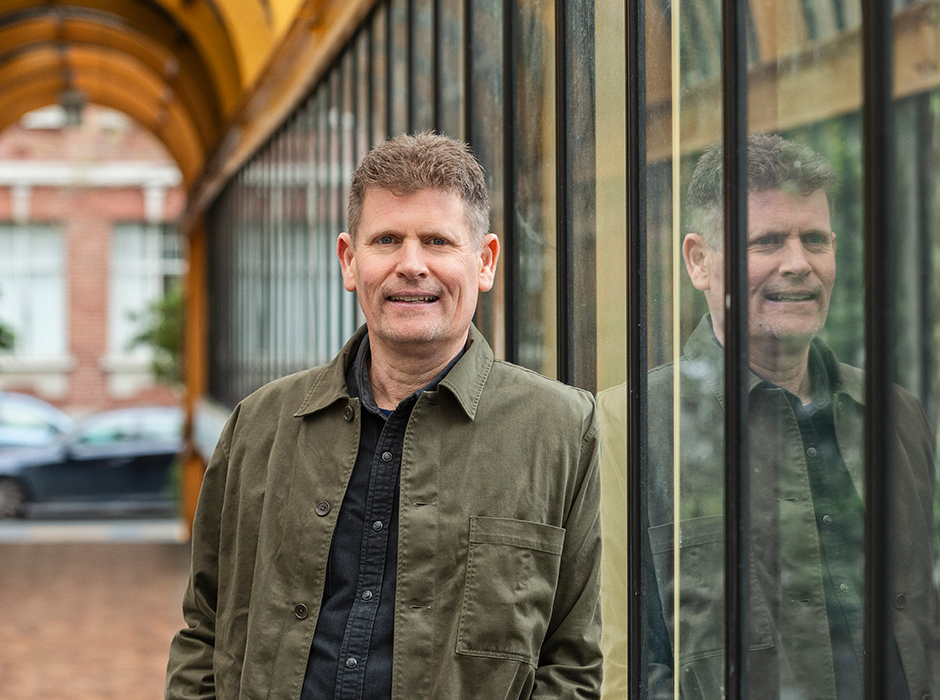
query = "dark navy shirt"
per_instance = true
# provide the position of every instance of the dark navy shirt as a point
(351, 654)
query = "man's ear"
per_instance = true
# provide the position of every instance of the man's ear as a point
(697, 255)
(345, 251)
(489, 256)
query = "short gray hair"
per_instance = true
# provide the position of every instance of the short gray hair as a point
(409, 163)
(773, 163)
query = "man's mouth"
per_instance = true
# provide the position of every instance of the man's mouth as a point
(412, 299)
(791, 296)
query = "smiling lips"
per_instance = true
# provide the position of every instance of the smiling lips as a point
(791, 296)
(412, 298)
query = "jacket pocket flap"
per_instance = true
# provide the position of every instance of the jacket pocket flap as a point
(517, 533)
(693, 531)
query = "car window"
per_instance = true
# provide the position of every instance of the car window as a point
(161, 426)
(24, 417)
(108, 430)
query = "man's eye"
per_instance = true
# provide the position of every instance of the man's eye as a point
(385, 240)
(765, 241)
(817, 239)
(438, 241)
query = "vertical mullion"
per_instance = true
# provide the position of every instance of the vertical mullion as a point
(880, 328)
(636, 344)
(468, 102)
(389, 72)
(510, 129)
(925, 283)
(437, 59)
(564, 258)
(410, 64)
(734, 108)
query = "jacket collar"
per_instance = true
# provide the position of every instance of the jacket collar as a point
(707, 357)
(465, 380)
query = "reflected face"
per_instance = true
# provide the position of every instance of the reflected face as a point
(791, 267)
(416, 269)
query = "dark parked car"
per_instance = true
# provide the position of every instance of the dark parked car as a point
(119, 457)
(26, 420)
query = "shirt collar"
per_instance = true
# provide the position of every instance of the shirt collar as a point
(357, 379)
(465, 380)
(706, 357)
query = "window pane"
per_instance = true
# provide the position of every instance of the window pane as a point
(534, 162)
(486, 137)
(913, 578)
(32, 289)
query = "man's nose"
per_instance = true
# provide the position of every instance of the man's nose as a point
(412, 262)
(795, 260)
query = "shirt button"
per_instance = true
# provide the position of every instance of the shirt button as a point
(349, 413)
(377, 525)
(367, 595)
(351, 662)
(827, 519)
(323, 508)
(300, 611)
(844, 587)
(386, 456)
(899, 602)
(811, 451)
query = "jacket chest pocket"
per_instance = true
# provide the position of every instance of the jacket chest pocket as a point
(512, 572)
(702, 591)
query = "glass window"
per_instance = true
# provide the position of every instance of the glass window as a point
(32, 289)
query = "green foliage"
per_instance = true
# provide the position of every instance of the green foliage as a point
(162, 332)
(7, 338)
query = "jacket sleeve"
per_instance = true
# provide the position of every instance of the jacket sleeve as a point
(190, 673)
(570, 661)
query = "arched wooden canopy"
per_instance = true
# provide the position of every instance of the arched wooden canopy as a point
(179, 67)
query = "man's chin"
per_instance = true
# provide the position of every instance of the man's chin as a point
(787, 334)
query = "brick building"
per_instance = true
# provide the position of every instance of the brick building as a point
(86, 241)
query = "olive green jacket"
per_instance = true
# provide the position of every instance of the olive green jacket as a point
(498, 543)
(789, 630)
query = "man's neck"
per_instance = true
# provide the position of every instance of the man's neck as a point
(784, 365)
(395, 373)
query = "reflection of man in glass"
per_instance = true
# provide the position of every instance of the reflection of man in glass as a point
(805, 456)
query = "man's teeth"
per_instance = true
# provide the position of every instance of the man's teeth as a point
(414, 300)
(790, 297)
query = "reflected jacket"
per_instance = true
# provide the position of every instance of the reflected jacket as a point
(498, 543)
(788, 622)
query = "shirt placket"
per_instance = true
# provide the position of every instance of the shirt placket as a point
(383, 483)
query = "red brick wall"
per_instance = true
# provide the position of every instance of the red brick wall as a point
(86, 216)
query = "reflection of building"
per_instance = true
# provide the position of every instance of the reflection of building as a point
(85, 244)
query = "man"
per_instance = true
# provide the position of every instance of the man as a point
(805, 458)
(414, 519)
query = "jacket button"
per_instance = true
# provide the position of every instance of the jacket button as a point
(386, 456)
(899, 602)
(349, 413)
(351, 662)
(323, 508)
(300, 611)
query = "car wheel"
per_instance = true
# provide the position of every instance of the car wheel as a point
(12, 499)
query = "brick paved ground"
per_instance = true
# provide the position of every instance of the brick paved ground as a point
(88, 621)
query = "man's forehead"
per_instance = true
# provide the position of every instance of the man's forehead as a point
(788, 210)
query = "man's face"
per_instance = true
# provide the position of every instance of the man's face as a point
(416, 269)
(791, 268)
